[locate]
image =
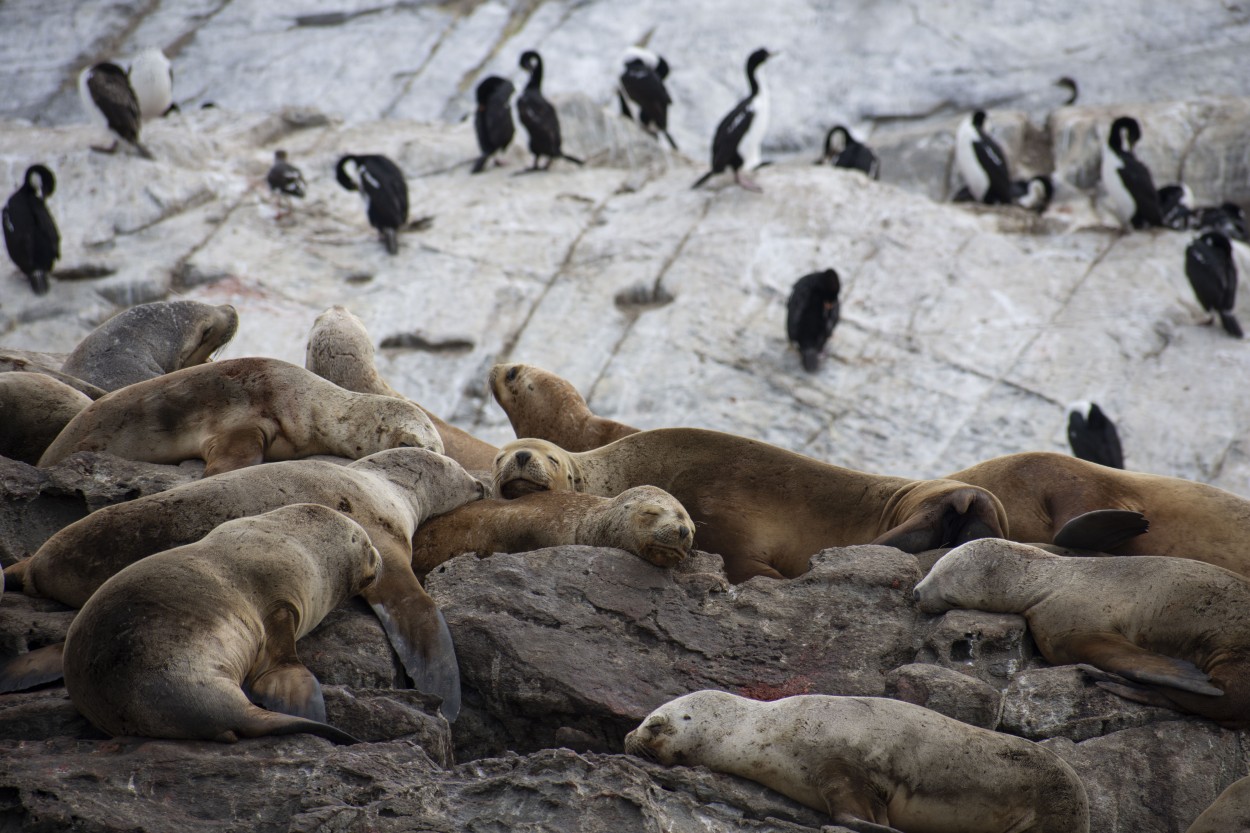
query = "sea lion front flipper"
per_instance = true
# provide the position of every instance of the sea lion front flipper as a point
(33, 668)
(1101, 530)
(278, 681)
(1114, 653)
(233, 450)
(15, 576)
(1121, 687)
(418, 633)
(850, 800)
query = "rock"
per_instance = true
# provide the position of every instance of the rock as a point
(992, 647)
(585, 640)
(956, 695)
(1042, 703)
(390, 714)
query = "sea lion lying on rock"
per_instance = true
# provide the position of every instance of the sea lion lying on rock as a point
(34, 408)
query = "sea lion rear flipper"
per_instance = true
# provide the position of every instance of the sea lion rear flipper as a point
(234, 450)
(418, 633)
(15, 576)
(1114, 653)
(849, 799)
(1101, 530)
(279, 681)
(33, 668)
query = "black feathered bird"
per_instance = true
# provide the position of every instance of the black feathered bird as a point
(383, 188)
(1093, 436)
(811, 314)
(493, 118)
(844, 151)
(30, 233)
(106, 93)
(642, 82)
(739, 135)
(1129, 185)
(982, 162)
(538, 116)
(1228, 218)
(1213, 275)
(285, 180)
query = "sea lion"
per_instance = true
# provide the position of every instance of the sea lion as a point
(1177, 631)
(1042, 492)
(1229, 813)
(340, 350)
(240, 412)
(149, 340)
(644, 520)
(23, 361)
(764, 509)
(33, 410)
(168, 646)
(871, 763)
(390, 494)
(543, 405)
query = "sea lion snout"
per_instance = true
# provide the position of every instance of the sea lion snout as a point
(523, 457)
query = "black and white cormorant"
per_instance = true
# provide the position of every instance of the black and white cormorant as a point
(1034, 193)
(30, 233)
(739, 135)
(152, 79)
(1069, 84)
(1093, 436)
(493, 118)
(982, 163)
(1176, 206)
(1228, 218)
(642, 82)
(1213, 275)
(811, 314)
(843, 150)
(538, 116)
(285, 180)
(109, 99)
(1130, 188)
(383, 188)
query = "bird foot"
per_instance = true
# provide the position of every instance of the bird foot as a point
(101, 149)
(747, 184)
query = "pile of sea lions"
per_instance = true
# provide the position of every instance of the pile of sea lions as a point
(324, 482)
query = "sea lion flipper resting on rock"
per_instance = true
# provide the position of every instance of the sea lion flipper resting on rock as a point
(1114, 653)
(232, 450)
(278, 681)
(1101, 530)
(33, 668)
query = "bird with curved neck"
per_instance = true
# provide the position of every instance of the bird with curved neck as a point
(539, 116)
(739, 135)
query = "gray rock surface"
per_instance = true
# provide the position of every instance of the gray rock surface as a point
(949, 692)
(992, 647)
(1044, 703)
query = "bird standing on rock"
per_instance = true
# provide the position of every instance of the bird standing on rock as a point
(1129, 185)
(642, 82)
(982, 163)
(739, 135)
(493, 118)
(811, 314)
(152, 80)
(382, 186)
(285, 180)
(539, 117)
(1213, 275)
(109, 99)
(30, 233)
(843, 150)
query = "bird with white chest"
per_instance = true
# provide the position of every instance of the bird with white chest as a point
(982, 162)
(741, 133)
(1130, 187)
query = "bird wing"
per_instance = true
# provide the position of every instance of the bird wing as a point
(387, 189)
(117, 101)
(994, 163)
(729, 134)
(799, 298)
(1204, 273)
(647, 90)
(540, 121)
(1137, 180)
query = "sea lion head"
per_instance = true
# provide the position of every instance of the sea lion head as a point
(523, 390)
(657, 522)
(986, 574)
(680, 730)
(400, 424)
(533, 465)
(436, 482)
(210, 328)
(928, 514)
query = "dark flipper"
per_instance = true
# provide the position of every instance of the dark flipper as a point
(33, 668)
(1115, 654)
(279, 681)
(1101, 530)
(15, 576)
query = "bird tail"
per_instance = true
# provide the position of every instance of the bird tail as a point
(811, 359)
(39, 282)
(703, 179)
(143, 151)
(572, 159)
(391, 236)
(1229, 322)
(480, 163)
(670, 139)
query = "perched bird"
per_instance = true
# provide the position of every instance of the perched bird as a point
(1034, 194)
(643, 83)
(1092, 436)
(493, 119)
(285, 179)
(152, 79)
(1176, 205)
(739, 135)
(538, 116)
(1213, 275)
(811, 315)
(1068, 84)
(981, 162)
(30, 233)
(844, 151)
(109, 99)
(382, 186)
(1128, 182)
(1228, 218)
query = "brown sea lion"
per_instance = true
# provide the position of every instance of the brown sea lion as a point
(240, 412)
(764, 509)
(340, 350)
(1177, 631)
(390, 494)
(1229, 813)
(1042, 492)
(179, 644)
(149, 340)
(33, 410)
(23, 361)
(871, 763)
(543, 405)
(644, 520)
